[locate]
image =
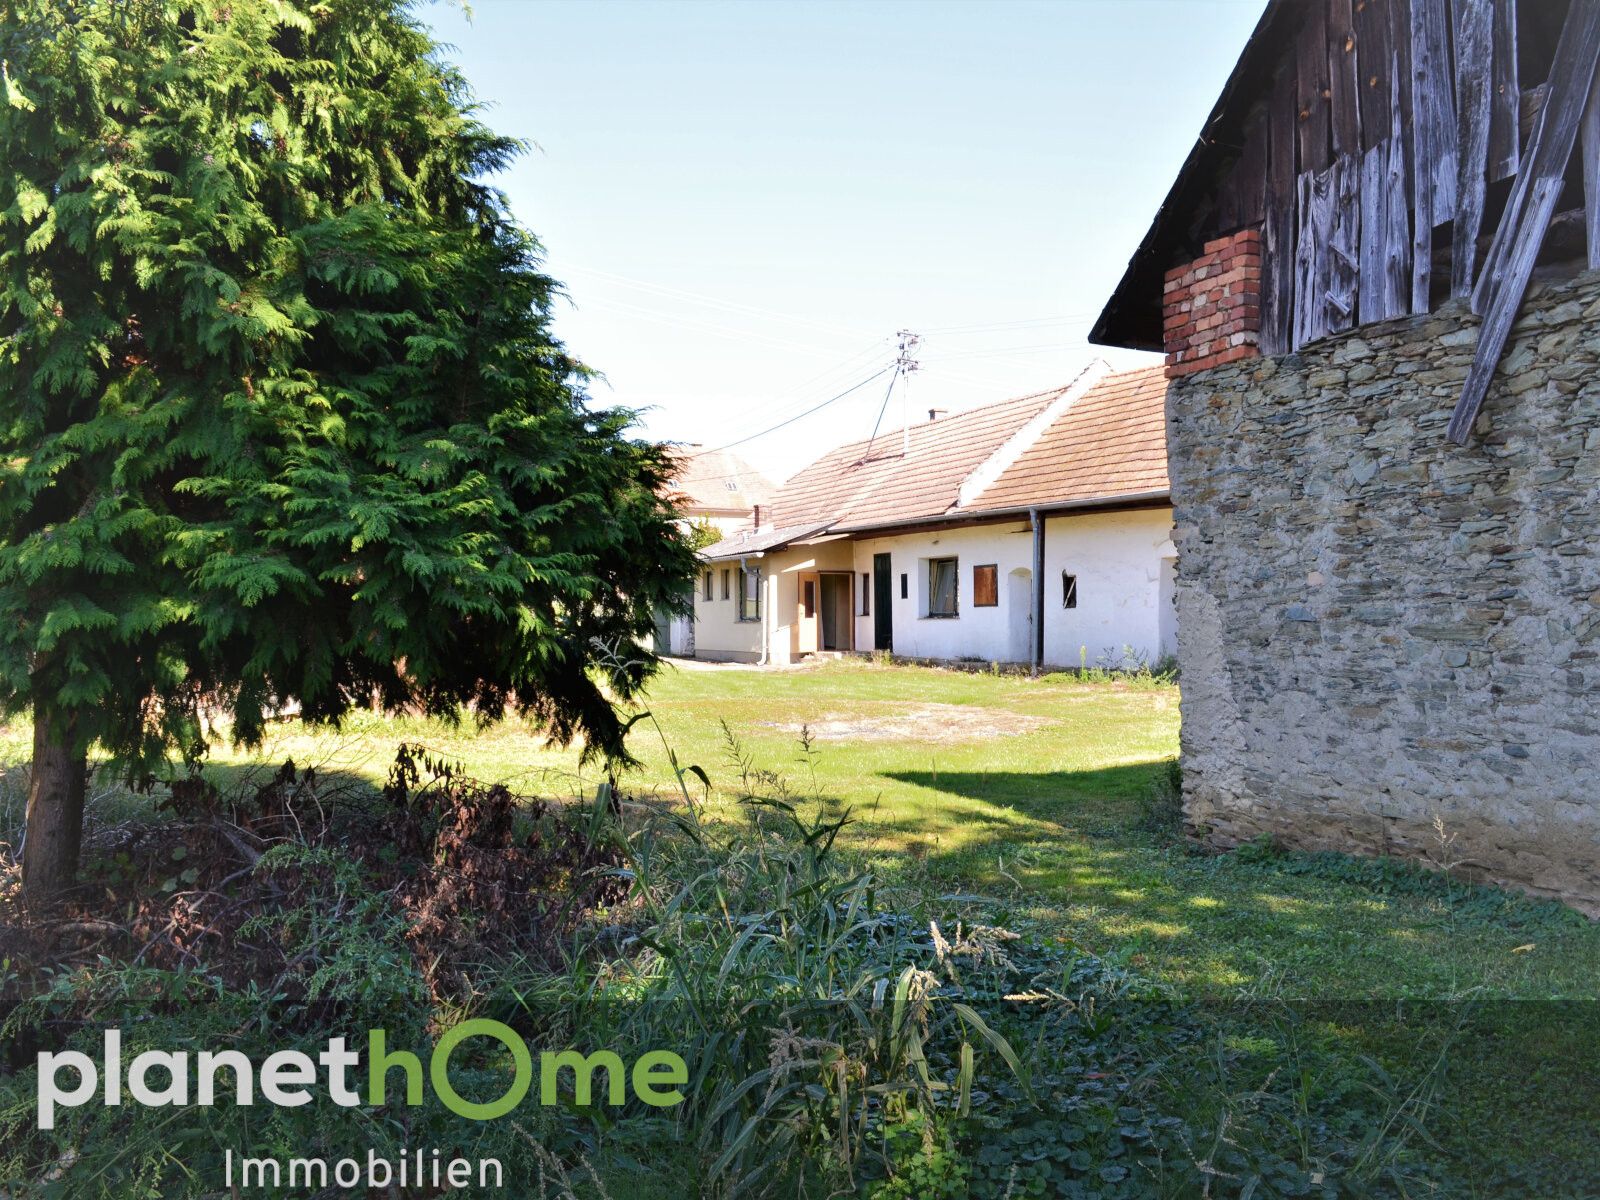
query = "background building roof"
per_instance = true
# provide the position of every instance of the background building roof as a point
(866, 484)
(1096, 439)
(719, 481)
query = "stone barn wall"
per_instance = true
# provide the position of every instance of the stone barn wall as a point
(1378, 629)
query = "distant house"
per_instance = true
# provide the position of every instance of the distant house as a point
(719, 490)
(1377, 283)
(1033, 531)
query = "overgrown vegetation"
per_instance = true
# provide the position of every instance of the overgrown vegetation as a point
(838, 1040)
(1262, 1022)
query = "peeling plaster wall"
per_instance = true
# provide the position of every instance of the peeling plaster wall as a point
(1378, 629)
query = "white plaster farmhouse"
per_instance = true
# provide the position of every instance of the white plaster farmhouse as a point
(713, 488)
(1033, 531)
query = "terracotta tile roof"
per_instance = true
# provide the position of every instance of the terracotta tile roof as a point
(1111, 441)
(847, 488)
(718, 481)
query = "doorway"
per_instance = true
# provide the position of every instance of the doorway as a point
(1019, 615)
(882, 603)
(807, 638)
(837, 610)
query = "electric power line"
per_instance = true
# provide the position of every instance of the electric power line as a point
(1026, 323)
(767, 314)
(904, 364)
(854, 388)
(882, 408)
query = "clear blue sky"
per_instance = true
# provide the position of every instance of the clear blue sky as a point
(746, 200)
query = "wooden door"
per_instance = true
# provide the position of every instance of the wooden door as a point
(807, 609)
(882, 603)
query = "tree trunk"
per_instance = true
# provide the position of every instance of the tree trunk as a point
(55, 809)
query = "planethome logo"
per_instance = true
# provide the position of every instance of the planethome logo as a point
(290, 1078)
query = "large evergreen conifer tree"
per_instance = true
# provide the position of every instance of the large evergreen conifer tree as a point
(281, 417)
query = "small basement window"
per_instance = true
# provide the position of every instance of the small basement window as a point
(866, 594)
(705, 586)
(1069, 590)
(942, 587)
(750, 594)
(986, 586)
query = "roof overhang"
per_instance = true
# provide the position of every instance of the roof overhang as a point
(755, 544)
(1132, 316)
(1129, 500)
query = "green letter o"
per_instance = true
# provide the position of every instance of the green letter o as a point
(439, 1069)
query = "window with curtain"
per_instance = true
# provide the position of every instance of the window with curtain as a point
(942, 587)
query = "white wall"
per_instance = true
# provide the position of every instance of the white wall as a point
(718, 632)
(1117, 558)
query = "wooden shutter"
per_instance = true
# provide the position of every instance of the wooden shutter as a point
(985, 586)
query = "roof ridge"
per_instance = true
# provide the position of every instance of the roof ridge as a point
(1150, 370)
(964, 413)
(1004, 456)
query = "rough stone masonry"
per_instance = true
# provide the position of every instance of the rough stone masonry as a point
(1389, 643)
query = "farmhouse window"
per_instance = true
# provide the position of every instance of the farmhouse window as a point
(811, 598)
(750, 594)
(986, 586)
(725, 590)
(942, 587)
(866, 594)
(705, 586)
(904, 588)
(1069, 590)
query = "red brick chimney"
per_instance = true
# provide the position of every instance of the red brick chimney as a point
(1212, 306)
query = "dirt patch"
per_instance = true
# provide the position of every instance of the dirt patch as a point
(917, 723)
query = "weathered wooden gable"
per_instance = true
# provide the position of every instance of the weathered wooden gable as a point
(1393, 153)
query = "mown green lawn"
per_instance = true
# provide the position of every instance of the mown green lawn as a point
(1043, 797)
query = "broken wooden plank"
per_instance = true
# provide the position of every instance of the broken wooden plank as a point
(1591, 177)
(1433, 112)
(1373, 52)
(1400, 44)
(1397, 212)
(1311, 86)
(1474, 40)
(1305, 257)
(1315, 205)
(1385, 233)
(1344, 244)
(1240, 189)
(1533, 199)
(1397, 225)
(1529, 105)
(1548, 146)
(1277, 232)
(1504, 131)
(1422, 198)
(1502, 312)
(1252, 168)
(1370, 300)
(1344, 88)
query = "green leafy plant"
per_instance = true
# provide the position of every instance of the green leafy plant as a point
(285, 420)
